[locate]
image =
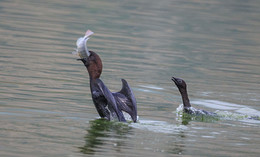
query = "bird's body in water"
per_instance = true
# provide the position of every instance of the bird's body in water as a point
(187, 108)
(109, 105)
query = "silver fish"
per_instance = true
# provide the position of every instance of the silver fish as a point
(81, 43)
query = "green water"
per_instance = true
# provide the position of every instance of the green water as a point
(45, 103)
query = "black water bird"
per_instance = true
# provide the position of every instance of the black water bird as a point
(187, 108)
(109, 105)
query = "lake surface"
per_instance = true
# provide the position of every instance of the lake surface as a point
(45, 103)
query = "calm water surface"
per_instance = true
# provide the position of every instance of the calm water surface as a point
(45, 103)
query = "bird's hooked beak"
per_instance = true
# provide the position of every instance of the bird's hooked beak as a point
(174, 79)
(84, 61)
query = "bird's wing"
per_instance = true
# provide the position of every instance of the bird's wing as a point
(111, 102)
(129, 105)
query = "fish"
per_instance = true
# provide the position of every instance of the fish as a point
(82, 49)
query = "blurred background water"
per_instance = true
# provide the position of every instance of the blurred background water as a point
(45, 103)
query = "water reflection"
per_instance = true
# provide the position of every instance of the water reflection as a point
(100, 133)
(186, 118)
(213, 44)
(178, 144)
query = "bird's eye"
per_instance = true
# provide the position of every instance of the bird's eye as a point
(179, 81)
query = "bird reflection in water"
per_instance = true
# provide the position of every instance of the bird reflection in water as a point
(178, 146)
(100, 133)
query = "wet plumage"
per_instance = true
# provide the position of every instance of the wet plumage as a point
(109, 105)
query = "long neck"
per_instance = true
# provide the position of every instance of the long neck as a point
(185, 98)
(95, 66)
(93, 73)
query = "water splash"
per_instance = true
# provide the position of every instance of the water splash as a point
(158, 126)
(215, 104)
(198, 115)
(225, 110)
(236, 116)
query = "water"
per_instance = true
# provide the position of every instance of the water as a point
(45, 103)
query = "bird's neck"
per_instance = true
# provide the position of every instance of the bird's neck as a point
(185, 98)
(94, 66)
